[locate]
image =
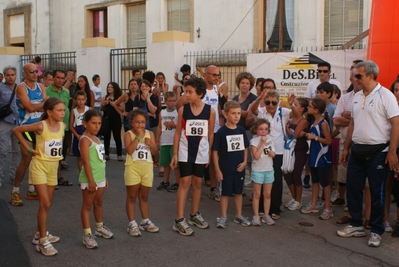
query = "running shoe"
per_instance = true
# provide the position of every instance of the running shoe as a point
(163, 185)
(242, 220)
(149, 227)
(309, 209)
(31, 195)
(214, 195)
(388, 227)
(198, 221)
(375, 240)
(289, 203)
(350, 230)
(173, 188)
(46, 248)
(295, 206)
(90, 241)
(50, 237)
(266, 219)
(327, 214)
(256, 220)
(182, 227)
(103, 231)
(133, 229)
(221, 222)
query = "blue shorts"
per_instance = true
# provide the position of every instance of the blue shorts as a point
(266, 177)
(233, 183)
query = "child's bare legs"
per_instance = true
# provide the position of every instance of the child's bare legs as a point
(80, 163)
(98, 205)
(298, 193)
(45, 194)
(255, 200)
(181, 196)
(267, 190)
(88, 199)
(238, 204)
(166, 175)
(177, 175)
(132, 192)
(224, 202)
(196, 184)
(143, 201)
(315, 193)
(327, 195)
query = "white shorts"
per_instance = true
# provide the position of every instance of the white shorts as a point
(84, 186)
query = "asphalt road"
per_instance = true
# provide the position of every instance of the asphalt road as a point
(286, 244)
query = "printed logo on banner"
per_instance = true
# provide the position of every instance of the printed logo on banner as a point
(296, 71)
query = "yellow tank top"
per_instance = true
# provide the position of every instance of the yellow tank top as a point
(142, 154)
(49, 144)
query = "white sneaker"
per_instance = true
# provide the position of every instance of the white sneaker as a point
(289, 203)
(149, 227)
(90, 241)
(334, 195)
(103, 232)
(268, 220)
(375, 240)
(133, 229)
(46, 248)
(320, 204)
(295, 206)
(388, 227)
(51, 238)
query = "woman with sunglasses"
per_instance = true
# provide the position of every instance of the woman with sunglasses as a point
(278, 118)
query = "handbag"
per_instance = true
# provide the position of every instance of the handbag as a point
(289, 156)
(366, 152)
(7, 110)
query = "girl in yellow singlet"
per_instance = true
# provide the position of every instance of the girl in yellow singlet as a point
(140, 146)
(44, 165)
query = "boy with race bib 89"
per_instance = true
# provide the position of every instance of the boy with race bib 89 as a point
(191, 149)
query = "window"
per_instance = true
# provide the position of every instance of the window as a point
(100, 23)
(179, 15)
(136, 31)
(343, 20)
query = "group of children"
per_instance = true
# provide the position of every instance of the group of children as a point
(186, 140)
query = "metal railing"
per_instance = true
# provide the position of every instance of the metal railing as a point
(60, 61)
(123, 61)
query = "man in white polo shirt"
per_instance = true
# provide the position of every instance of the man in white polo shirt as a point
(373, 133)
(324, 71)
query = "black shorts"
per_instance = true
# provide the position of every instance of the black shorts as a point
(233, 184)
(188, 169)
(30, 136)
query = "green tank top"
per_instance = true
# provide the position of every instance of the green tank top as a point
(97, 163)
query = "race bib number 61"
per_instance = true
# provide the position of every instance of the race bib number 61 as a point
(197, 128)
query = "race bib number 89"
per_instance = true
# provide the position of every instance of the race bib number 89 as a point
(235, 143)
(197, 128)
(53, 148)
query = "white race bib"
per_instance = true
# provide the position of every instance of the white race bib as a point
(142, 153)
(53, 148)
(100, 151)
(267, 148)
(235, 143)
(196, 128)
(36, 114)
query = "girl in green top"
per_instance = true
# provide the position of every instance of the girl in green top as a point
(92, 178)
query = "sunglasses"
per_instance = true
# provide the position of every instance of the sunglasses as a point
(274, 103)
(32, 71)
(358, 76)
(324, 71)
(246, 75)
(214, 75)
(267, 87)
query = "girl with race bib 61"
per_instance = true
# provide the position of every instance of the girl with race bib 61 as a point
(139, 175)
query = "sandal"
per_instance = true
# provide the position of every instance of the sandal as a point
(344, 220)
(64, 182)
(275, 216)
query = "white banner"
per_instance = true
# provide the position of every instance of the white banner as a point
(292, 71)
